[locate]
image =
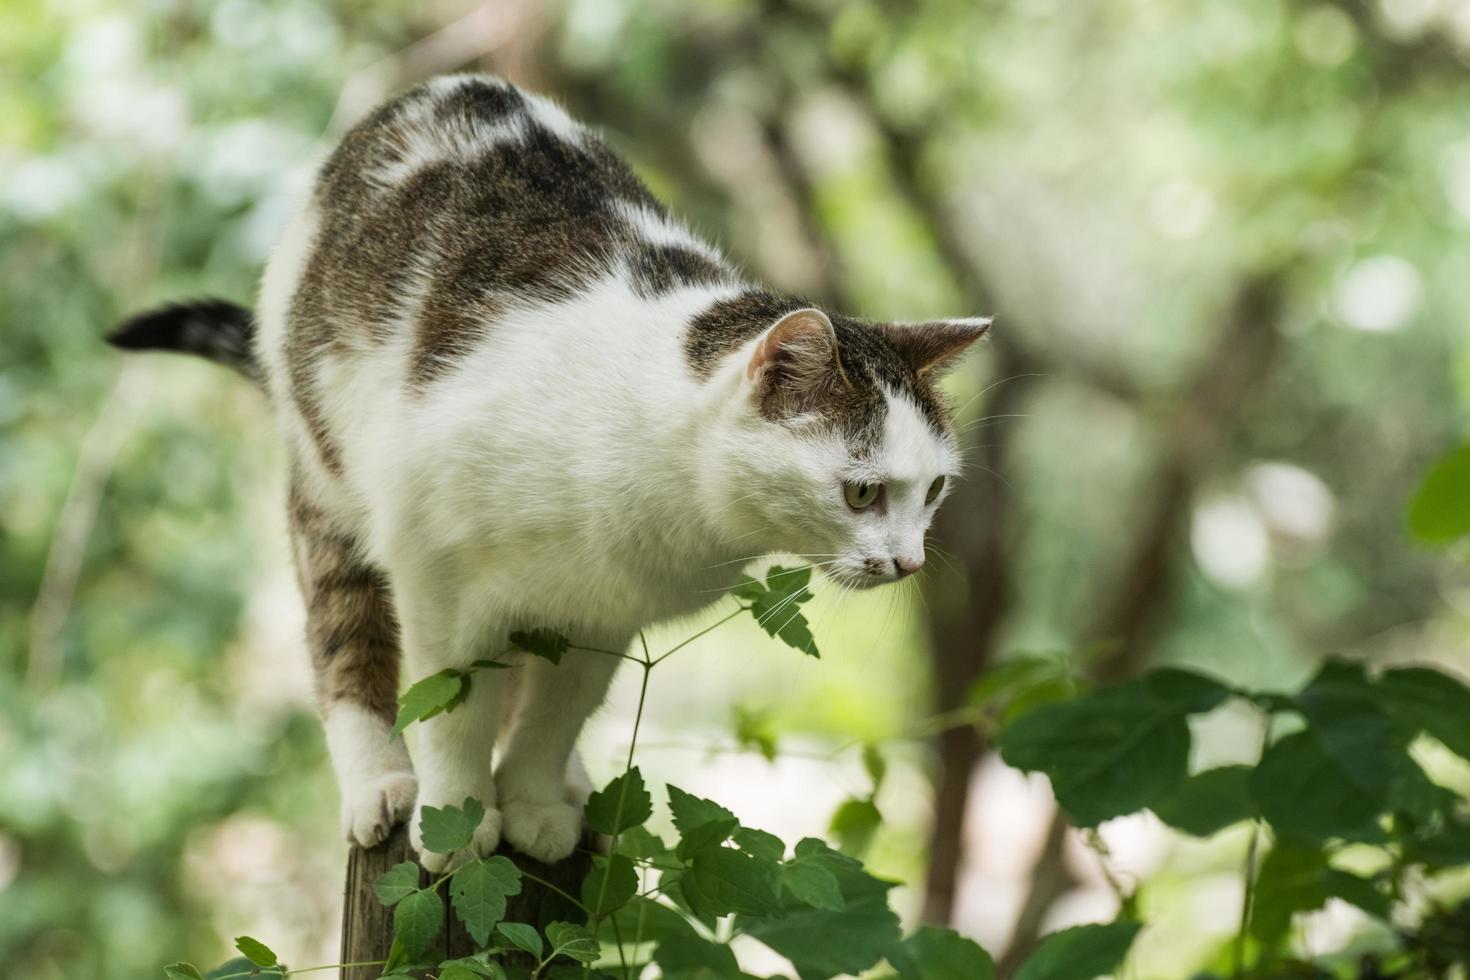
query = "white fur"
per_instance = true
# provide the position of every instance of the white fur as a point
(660, 229)
(570, 472)
(378, 785)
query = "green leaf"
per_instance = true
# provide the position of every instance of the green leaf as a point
(457, 971)
(1346, 716)
(753, 731)
(1439, 512)
(1022, 682)
(747, 588)
(1358, 891)
(625, 803)
(427, 698)
(759, 844)
(775, 606)
(690, 811)
(255, 951)
(1423, 699)
(609, 885)
(1444, 846)
(1080, 953)
(240, 964)
(544, 643)
(875, 765)
(641, 844)
(1209, 801)
(574, 941)
(688, 957)
(1304, 794)
(476, 966)
(701, 823)
(812, 882)
(942, 954)
(1296, 879)
(706, 835)
(182, 971)
(1289, 881)
(825, 942)
(853, 824)
(491, 665)
(397, 883)
(726, 880)
(417, 919)
(523, 936)
(447, 829)
(643, 920)
(1116, 750)
(479, 890)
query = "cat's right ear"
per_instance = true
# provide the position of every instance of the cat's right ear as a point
(794, 362)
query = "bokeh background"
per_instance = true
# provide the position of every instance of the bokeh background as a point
(1226, 244)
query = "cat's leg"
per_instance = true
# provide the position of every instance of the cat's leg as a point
(553, 702)
(353, 637)
(452, 749)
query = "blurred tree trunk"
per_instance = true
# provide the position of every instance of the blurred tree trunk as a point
(972, 526)
(1201, 423)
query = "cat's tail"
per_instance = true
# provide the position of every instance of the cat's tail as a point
(214, 329)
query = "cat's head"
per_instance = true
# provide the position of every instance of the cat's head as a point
(839, 447)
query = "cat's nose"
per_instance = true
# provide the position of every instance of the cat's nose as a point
(908, 566)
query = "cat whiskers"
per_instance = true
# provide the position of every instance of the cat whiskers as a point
(801, 568)
(742, 561)
(976, 423)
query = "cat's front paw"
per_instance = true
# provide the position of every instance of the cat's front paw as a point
(372, 809)
(483, 844)
(545, 831)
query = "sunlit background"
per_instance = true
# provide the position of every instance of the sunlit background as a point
(1228, 247)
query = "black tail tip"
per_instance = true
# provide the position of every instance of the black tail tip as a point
(214, 329)
(154, 330)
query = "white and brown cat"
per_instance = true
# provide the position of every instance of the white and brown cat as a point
(516, 393)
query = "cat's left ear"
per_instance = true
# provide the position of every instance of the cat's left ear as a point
(935, 345)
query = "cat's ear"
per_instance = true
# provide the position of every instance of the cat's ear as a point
(794, 362)
(935, 345)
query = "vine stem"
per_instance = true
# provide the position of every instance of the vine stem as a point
(647, 664)
(677, 647)
(1248, 896)
(546, 884)
(260, 970)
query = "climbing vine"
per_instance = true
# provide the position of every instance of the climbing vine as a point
(1336, 771)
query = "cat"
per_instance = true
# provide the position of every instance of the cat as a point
(516, 393)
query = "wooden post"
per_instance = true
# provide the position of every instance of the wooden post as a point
(367, 927)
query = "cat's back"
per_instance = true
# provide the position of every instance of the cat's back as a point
(449, 210)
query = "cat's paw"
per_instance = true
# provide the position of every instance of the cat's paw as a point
(545, 831)
(483, 844)
(371, 810)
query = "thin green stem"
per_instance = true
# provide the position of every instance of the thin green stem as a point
(618, 938)
(546, 884)
(637, 721)
(676, 648)
(1247, 899)
(1249, 893)
(610, 653)
(623, 791)
(264, 970)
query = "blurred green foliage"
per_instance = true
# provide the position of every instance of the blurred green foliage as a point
(1119, 173)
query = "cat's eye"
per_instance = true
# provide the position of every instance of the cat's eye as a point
(934, 490)
(860, 496)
